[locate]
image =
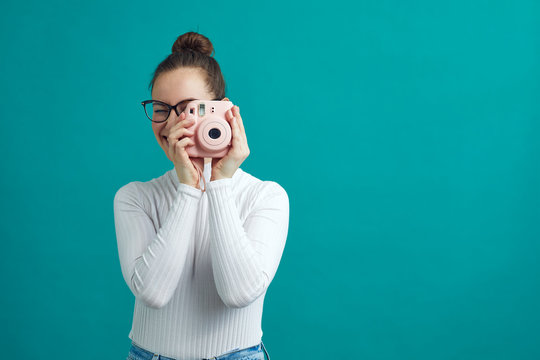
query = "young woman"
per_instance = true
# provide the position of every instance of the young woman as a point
(199, 245)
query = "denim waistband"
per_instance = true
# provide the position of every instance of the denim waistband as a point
(240, 353)
(142, 354)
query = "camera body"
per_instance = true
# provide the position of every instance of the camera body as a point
(212, 132)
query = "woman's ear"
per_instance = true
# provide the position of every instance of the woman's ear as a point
(225, 99)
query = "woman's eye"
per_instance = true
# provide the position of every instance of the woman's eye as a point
(158, 111)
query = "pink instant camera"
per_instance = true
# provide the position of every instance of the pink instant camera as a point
(212, 132)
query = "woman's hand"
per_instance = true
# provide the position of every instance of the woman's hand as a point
(238, 152)
(179, 138)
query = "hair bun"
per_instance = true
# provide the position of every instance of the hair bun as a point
(193, 41)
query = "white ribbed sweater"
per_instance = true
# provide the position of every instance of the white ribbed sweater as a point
(199, 263)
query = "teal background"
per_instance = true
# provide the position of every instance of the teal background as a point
(405, 133)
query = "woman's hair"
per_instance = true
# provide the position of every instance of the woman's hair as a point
(193, 50)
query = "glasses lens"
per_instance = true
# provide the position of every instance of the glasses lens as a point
(156, 111)
(182, 106)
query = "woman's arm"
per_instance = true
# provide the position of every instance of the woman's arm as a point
(151, 262)
(245, 257)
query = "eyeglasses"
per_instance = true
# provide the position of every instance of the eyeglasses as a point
(158, 111)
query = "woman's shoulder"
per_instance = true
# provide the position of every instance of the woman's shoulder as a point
(245, 187)
(143, 192)
(254, 188)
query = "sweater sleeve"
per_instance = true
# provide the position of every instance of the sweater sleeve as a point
(152, 262)
(245, 257)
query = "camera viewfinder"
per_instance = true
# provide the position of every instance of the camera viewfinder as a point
(201, 109)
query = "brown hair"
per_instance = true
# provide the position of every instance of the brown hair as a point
(195, 51)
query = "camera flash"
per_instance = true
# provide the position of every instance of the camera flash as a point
(201, 109)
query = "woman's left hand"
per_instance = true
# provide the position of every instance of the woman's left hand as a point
(238, 152)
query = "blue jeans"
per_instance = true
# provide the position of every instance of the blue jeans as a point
(251, 353)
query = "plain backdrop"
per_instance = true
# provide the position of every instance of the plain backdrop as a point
(406, 134)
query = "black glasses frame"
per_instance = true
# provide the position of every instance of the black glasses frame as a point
(169, 107)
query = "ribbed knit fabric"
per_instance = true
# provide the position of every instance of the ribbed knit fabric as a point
(199, 263)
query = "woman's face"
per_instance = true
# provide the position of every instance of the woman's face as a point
(172, 87)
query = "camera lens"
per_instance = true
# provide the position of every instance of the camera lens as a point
(214, 133)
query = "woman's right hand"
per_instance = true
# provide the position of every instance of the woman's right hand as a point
(179, 138)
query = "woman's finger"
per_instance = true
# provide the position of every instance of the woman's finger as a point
(184, 142)
(180, 148)
(229, 115)
(179, 133)
(237, 135)
(182, 124)
(241, 134)
(236, 114)
(176, 145)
